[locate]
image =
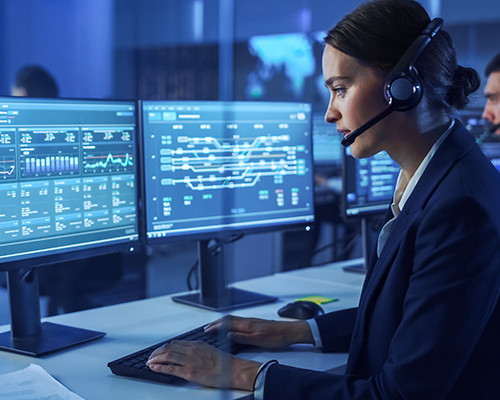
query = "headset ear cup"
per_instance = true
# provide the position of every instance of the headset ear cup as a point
(404, 91)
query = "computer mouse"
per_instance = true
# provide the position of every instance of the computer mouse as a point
(300, 310)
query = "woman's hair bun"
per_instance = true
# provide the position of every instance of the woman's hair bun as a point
(465, 81)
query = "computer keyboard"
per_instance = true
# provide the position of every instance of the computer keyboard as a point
(134, 364)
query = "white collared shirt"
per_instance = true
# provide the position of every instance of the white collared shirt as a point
(405, 188)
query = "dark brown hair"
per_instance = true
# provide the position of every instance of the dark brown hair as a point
(378, 32)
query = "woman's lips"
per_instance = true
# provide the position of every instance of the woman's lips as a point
(344, 132)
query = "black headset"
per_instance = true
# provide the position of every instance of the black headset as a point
(403, 89)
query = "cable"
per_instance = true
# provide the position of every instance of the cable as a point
(347, 248)
(191, 272)
(221, 243)
(213, 249)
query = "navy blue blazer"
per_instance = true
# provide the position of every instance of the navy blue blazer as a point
(428, 321)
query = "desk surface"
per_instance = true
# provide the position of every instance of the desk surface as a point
(135, 325)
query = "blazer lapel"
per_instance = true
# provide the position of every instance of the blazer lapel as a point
(458, 143)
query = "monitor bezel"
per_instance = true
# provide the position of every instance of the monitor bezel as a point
(85, 250)
(227, 232)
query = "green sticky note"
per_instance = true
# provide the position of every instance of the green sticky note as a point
(317, 299)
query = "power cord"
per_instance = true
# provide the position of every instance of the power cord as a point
(350, 244)
(213, 249)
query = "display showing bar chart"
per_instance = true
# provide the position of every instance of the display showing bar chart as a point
(51, 164)
(43, 161)
(62, 182)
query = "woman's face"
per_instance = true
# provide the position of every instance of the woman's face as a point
(356, 96)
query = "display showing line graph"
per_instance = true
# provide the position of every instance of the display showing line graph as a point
(7, 163)
(108, 159)
(207, 163)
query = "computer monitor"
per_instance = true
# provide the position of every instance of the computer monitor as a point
(472, 118)
(368, 189)
(68, 186)
(492, 151)
(216, 169)
(327, 150)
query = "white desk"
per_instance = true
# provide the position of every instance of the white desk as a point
(132, 326)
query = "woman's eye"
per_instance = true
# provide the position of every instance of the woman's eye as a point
(339, 91)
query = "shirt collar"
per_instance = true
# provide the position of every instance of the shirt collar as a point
(405, 188)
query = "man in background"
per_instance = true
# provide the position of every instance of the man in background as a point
(34, 81)
(492, 92)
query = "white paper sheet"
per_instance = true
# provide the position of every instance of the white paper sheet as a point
(33, 383)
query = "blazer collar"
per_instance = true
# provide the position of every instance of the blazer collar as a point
(457, 144)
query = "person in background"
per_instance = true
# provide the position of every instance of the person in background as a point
(492, 93)
(34, 81)
(428, 320)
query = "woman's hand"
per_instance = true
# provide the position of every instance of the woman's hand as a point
(200, 363)
(263, 333)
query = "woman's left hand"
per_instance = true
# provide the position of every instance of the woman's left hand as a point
(201, 363)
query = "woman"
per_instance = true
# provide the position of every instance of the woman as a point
(428, 321)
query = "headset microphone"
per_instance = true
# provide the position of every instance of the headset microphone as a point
(403, 89)
(349, 139)
(489, 132)
(493, 128)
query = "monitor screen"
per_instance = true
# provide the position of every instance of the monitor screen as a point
(279, 67)
(368, 184)
(67, 176)
(368, 189)
(492, 151)
(472, 118)
(68, 187)
(218, 169)
(327, 149)
(213, 168)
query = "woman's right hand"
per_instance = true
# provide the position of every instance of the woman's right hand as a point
(263, 333)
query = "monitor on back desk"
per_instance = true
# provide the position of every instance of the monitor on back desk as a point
(68, 187)
(492, 151)
(368, 189)
(215, 170)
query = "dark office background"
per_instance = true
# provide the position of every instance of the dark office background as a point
(209, 50)
(185, 48)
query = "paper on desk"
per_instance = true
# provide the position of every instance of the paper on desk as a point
(33, 383)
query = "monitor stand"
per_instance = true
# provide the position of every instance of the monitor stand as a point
(28, 335)
(214, 294)
(367, 245)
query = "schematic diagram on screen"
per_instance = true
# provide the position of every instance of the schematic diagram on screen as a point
(212, 166)
(210, 163)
